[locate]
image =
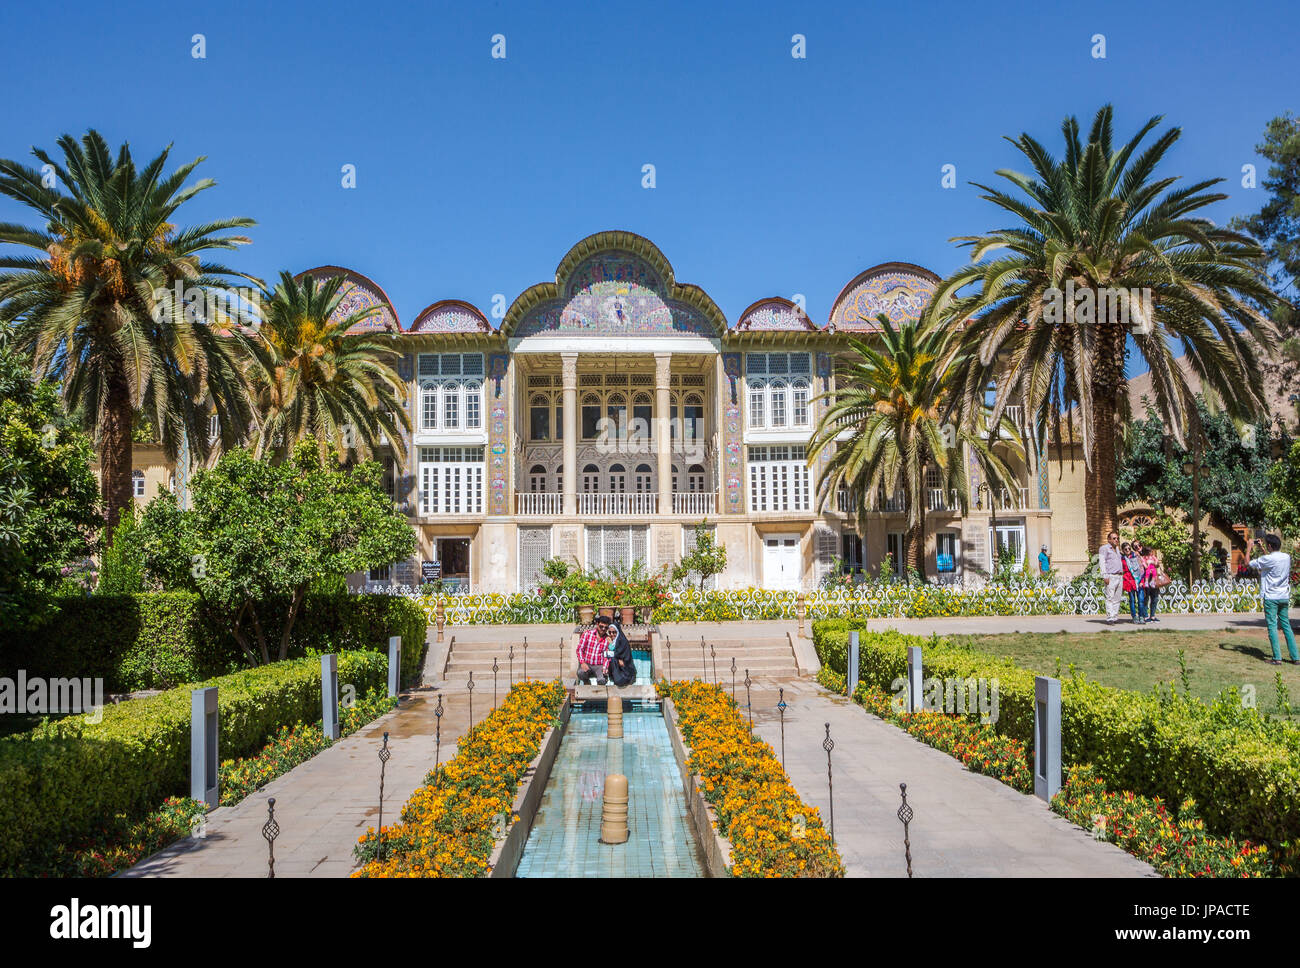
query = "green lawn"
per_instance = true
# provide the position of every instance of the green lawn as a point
(1138, 660)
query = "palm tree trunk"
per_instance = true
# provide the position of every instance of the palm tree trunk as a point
(1100, 508)
(115, 455)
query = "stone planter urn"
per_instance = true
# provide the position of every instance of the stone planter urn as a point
(629, 614)
(585, 614)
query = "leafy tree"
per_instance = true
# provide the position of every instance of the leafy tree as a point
(1282, 506)
(260, 534)
(706, 559)
(95, 304)
(1100, 220)
(883, 425)
(309, 378)
(49, 512)
(121, 568)
(1277, 224)
(1235, 460)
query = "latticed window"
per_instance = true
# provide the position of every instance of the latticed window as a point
(451, 480)
(778, 479)
(615, 547)
(534, 549)
(778, 389)
(451, 391)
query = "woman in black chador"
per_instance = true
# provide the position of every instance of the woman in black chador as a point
(622, 671)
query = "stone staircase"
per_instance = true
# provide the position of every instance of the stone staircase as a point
(763, 656)
(543, 661)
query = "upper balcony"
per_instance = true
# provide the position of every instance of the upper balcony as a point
(610, 503)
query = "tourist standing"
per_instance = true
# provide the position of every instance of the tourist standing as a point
(1275, 588)
(1132, 581)
(1112, 573)
(1156, 580)
(1044, 562)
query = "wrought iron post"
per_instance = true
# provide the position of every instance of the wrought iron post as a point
(470, 686)
(714, 656)
(668, 648)
(525, 659)
(270, 830)
(512, 665)
(561, 660)
(494, 682)
(384, 754)
(749, 706)
(905, 815)
(828, 744)
(733, 679)
(781, 706)
(437, 736)
(704, 662)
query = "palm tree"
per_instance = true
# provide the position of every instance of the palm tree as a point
(94, 307)
(308, 378)
(1099, 222)
(884, 422)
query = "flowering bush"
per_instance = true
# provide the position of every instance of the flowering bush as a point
(1176, 846)
(448, 826)
(773, 833)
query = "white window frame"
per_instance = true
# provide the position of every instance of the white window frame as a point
(450, 480)
(778, 387)
(137, 483)
(451, 392)
(779, 479)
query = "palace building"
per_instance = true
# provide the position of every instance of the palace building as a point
(615, 409)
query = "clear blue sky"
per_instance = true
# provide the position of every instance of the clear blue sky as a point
(775, 175)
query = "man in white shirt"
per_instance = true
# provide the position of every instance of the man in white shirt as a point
(1112, 573)
(1275, 588)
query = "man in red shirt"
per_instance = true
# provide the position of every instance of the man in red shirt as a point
(591, 652)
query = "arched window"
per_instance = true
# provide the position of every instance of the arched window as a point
(778, 396)
(618, 479)
(428, 406)
(676, 475)
(590, 479)
(451, 406)
(757, 404)
(695, 478)
(137, 483)
(537, 479)
(616, 410)
(642, 426)
(799, 393)
(693, 417)
(644, 479)
(559, 479)
(539, 418)
(473, 405)
(590, 416)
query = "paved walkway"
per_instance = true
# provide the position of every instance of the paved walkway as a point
(965, 824)
(325, 805)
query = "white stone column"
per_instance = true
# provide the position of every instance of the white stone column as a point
(569, 371)
(663, 431)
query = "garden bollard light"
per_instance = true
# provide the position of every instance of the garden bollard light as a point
(613, 816)
(494, 682)
(905, 815)
(714, 656)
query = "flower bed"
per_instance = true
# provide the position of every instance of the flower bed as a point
(773, 833)
(447, 826)
(1175, 846)
(979, 748)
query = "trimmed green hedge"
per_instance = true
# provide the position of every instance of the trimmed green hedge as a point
(62, 779)
(157, 640)
(1242, 770)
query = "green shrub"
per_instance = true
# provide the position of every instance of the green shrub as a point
(1241, 769)
(61, 779)
(157, 640)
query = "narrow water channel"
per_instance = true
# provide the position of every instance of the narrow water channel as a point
(565, 839)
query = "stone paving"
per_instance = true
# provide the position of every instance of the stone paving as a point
(325, 805)
(965, 824)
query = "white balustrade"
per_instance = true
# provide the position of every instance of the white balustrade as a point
(528, 502)
(694, 502)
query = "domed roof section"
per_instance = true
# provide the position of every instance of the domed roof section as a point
(614, 283)
(451, 316)
(776, 314)
(359, 293)
(900, 290)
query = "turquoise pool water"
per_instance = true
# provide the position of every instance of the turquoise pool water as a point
(565, 839)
